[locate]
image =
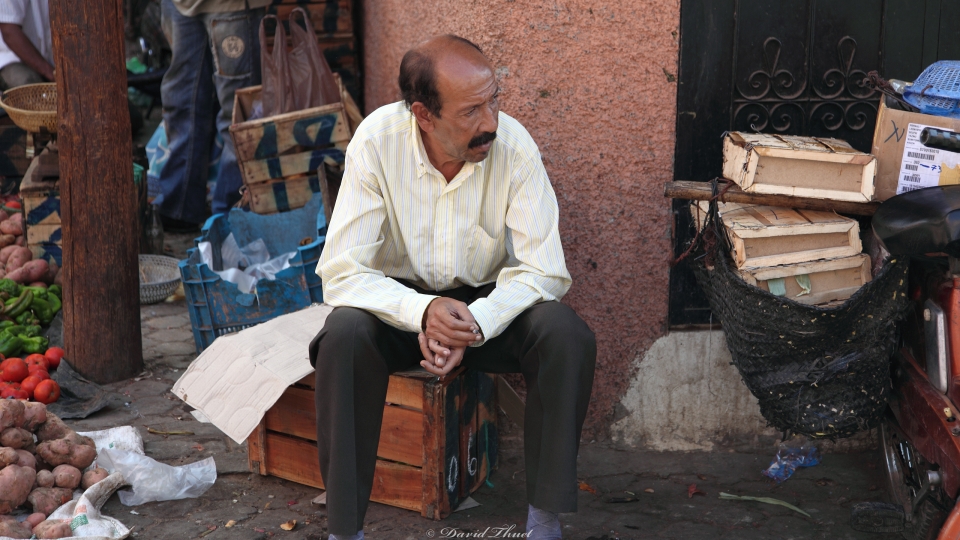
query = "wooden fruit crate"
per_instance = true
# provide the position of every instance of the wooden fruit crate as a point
(771, 236)
(438, 440)
(287, 194)
(829, 281)
(40, 194)
(290, 146)
(798, 166)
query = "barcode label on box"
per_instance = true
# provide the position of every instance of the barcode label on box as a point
(923, 167)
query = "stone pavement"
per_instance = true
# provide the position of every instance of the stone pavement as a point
(259, 505)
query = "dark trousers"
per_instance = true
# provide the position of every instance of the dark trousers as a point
(355, 353)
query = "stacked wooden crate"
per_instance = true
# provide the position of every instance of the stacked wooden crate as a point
(812, 257)
(40, 195)
(285, 159)
(333, 21)
(438, 440)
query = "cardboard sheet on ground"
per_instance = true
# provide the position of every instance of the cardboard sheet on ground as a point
(240, 376)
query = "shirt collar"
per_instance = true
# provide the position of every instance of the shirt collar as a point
(423, 161)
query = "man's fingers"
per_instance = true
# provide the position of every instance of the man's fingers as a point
(453, 339)
(424, 348)
(456, 356)
(438, 348)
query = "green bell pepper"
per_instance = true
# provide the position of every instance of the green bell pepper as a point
(34, 345)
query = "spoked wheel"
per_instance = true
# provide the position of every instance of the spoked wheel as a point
(914, 484)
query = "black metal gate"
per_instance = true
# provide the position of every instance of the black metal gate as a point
(791, 67)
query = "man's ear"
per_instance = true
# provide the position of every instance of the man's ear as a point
(424, 117)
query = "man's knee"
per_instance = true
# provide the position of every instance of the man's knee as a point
(344, 329)
(563, 329)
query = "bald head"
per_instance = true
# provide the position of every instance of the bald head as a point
(436, 67)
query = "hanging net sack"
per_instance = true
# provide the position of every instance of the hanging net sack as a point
(822, 372)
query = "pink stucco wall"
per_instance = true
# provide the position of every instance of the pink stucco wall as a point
(594, 83)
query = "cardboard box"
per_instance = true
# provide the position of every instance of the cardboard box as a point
(798, 166)
(771, 236)
(903, 164)
(828, 281)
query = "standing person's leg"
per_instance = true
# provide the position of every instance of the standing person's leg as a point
(18, 74)
(556, 352)
(235, 41)
(354, 355)
(188, 99)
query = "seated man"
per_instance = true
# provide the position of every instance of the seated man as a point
(443, 250)
(26, 50)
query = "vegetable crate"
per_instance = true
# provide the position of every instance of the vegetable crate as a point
(283, 152)
(217, 307)
(41, 207)
(438, 440)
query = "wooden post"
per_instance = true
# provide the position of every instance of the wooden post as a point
(101, 304)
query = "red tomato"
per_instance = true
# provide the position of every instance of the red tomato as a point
(37, 359)
(39, 373)
(54, 354)
(14, 391)
(33, 368)
(47, 391)
(30, 384)
(13, 370)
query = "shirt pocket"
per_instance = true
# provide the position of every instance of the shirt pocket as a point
(484, 255)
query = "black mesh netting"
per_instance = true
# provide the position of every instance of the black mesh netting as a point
(822, 372)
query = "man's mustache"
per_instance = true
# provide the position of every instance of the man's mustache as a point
(482, 139)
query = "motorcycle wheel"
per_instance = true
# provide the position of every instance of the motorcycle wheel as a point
(904, 466)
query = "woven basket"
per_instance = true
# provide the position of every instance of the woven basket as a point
(32, 106)
(159, 278)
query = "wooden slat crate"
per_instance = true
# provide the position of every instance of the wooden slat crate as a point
(421, 457)
(771, 236)
(798, 166)
(329, 18)
(290, 147)
(40, 194)
(830, 280)
(282, 195)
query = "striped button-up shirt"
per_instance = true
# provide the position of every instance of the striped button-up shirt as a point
(397, 217)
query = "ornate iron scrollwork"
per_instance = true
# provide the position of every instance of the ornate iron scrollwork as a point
(775, 99)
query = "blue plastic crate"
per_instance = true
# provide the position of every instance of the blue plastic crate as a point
(937, 90)
(217, 307)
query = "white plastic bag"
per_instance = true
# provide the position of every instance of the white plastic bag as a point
(155, 481)
(84, 515)
(244, 266)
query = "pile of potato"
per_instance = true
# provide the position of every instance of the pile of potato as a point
(41, 461)
(16, 260)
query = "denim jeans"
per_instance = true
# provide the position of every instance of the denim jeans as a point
(214, 55)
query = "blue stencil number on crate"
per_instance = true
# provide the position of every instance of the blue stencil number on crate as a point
(313, 131)
(49, 207)
(280, 197)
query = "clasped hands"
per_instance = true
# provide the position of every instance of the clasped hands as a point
(448, 330)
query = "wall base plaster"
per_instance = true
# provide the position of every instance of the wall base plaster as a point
(688, 396)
